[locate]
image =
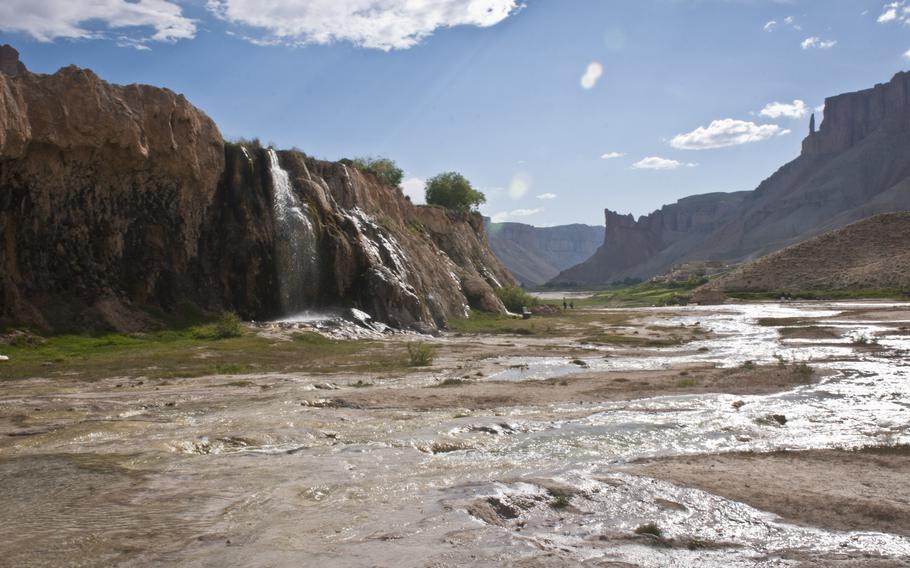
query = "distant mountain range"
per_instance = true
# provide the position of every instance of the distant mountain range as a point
(855, 166)
(534, 255)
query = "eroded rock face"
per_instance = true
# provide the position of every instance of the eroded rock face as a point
(857, 164)
(120, 204)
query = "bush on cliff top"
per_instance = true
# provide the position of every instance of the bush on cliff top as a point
(385, 169)
(453, 191)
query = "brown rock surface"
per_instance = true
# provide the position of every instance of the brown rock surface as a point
(873, 254)
(120, 201)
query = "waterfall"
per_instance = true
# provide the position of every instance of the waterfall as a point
(295, 244)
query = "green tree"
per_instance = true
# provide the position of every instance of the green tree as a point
(385, 169)
(452, 191)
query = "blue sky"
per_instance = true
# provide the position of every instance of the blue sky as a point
(524, 98)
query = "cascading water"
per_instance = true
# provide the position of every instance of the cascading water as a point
(295, 243)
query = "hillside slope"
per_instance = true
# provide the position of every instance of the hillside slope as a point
(856, 165)
(534, 255)
(872, 254)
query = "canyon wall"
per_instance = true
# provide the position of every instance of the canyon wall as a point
(534, 255)
(121, 206)
(857, 164)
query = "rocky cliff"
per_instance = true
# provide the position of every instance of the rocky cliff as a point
(534, 255)
(631, 245)
(872, 254)
(856, 165)
(119, 204)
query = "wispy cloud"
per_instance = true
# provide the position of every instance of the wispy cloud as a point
(796, 109)
(375, 24)
(47, 20)
(657, 163)
(593, 73)
(503, 216)
(816, 42)
(612, 155)
(726, 132)
(547, 196)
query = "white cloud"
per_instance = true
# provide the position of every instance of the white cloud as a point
(47, 20)
(519, 185)
(547, 196)
(515, 213)
(612, 155)
(769, 27)
(656, 163)
(415, 188)
(726, 132)
(796, 109)
(592, 74)
(815, 42)
(375, 24)
(895, 12)
(907, 54)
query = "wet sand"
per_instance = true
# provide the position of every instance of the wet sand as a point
(863, 490)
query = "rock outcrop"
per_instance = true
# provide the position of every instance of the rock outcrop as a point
(873, 254)
(631, 246)
(857, 164)
(121, 204)
(534, 255)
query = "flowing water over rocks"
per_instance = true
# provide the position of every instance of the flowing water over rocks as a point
(317, 470)
(295, 243)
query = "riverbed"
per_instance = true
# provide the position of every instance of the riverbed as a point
(508, 450)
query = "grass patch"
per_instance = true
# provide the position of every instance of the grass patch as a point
(227, 326)
(688, 382)
(630, 340)
(560, 502)
(848, 294)
(640, 295)
(420, 354)
(187, 353)
(651, 529)
(452, 383)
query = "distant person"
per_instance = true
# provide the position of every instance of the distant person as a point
(572, 305)
(565, 306)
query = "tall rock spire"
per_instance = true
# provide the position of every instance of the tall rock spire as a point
(9, 61)
(812, 124)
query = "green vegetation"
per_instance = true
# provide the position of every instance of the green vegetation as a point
(651, 529)
(386, 170)
(483, 322)
(847, 294)
(809, 332)
(420, 354)
(515, 298)
(687, 383)
(639, 295)
(453, 191)
(560, 501)
(605, 338)
(193, 352)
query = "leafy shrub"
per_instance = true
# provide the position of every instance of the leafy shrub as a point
(650, 528)
(227, 326)
(385, 169)
(515, 298)
(420, 354)
(453, 191)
